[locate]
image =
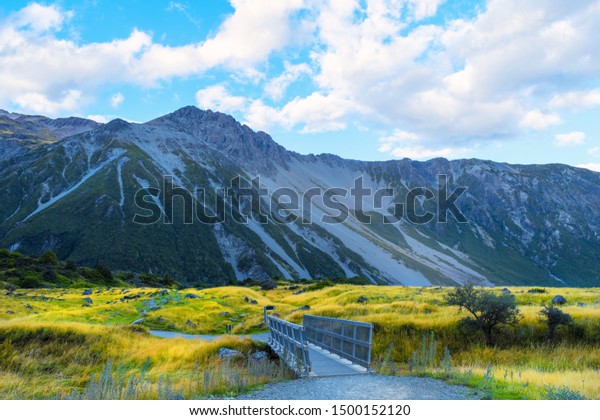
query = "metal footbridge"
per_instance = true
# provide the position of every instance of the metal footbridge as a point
(321, 346)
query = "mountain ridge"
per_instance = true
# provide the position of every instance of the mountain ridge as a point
(76, 195)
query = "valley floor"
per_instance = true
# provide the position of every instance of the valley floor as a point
(55, 344)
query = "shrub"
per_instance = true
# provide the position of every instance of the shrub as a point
(49, 257)
(554, 318)
(488, 309)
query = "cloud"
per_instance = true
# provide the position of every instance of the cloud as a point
(594, 151)
(577, 99)
(315, 113)
(591, 166)
(275, 88)
(574, 138)
(116, 100)
(217, 98)
(539, 120)
(422, 152)
(67, 102)
(40, 18)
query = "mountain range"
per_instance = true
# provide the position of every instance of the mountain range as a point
(75, 186)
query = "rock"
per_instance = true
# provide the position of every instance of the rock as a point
(299, 292)
(253, 302)
(9, 312)
(87, 292)
(259, 355)
(161, 320)
(302, 308)
(191, 296)
(559, 300)
(246, 299)
(171, 325)
(88, 301)
(226, 353)
(505, 291)
(138, 321)
(223, 314)
(362, 299)
(580, 304)
(435, 302)
(294, 287)
(190, 324)
(276, 314)
(163, 292)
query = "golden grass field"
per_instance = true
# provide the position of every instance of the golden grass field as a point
(51, 342)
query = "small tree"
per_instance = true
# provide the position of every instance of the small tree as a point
(49, 257)
(488, 309)
(554, 318)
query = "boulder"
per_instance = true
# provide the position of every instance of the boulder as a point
(246, 299)
(191, 296)
(259, 355)
(88, 301)
(362, 299)
(302, 308)
(559, 300)
(163, 292)
(190, 324)
(226, 353)
(87, 292)
(253, 302)
(505, 291)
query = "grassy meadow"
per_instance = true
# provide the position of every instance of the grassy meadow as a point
(53, 344)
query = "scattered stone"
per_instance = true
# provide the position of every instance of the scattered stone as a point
(191, 296)
(505, 291)
(253, 302)
(299, 292)
(559, 300)
(88, 301)
(131, 297)
(580, 304)
(138, 321)
(86, 292)
(226, 353)
(259, 355)
(362, 299)
(223, 314)
(190, 324)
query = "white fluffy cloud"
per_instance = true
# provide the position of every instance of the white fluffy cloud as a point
(116, 100)
(517, 66)
(574, 138)
(591, 166)
(218, 98)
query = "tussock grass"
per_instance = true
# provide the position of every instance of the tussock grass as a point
(402, 315)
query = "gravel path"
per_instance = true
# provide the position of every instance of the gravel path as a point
(362, 387)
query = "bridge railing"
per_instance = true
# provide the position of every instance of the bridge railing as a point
(348, 339)
(289, 342)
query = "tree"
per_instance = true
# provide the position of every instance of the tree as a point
(554, 318)
(488, 309)
(49, 257)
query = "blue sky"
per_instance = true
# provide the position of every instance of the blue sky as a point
(508, 80)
